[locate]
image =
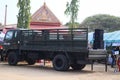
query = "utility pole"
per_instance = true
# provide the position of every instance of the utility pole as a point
(5, 15)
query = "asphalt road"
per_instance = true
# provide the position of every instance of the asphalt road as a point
(38, 72)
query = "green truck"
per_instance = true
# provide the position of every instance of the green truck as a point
(64, 47)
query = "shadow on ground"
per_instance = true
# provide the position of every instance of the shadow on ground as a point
(46, 69)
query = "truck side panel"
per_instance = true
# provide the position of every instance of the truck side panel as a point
(55, 40)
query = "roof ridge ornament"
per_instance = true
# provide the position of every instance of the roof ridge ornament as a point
(44, 4)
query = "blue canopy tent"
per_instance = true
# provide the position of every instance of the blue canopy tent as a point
(109, 38)
(112, 37)
(116, 37)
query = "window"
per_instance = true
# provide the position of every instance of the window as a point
(9, 35)
(15, 34)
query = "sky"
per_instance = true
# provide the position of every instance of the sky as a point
(86, 8)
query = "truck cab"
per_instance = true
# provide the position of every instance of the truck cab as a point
(11, 40)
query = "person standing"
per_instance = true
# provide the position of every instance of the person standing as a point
(113, 57)
(118, 59)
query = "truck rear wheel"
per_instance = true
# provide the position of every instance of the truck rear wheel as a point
(12, 58)
(60, 63)
(78, 66)
(30, 61)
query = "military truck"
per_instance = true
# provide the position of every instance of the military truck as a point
(64, 47)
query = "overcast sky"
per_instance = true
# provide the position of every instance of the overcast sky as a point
(87, 8)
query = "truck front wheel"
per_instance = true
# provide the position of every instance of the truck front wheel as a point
(12, 58)
(60, 63)
(78, 66)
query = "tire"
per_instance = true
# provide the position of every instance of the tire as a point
(60, 63)
(12, 58)
(30, 61)
(78, 66)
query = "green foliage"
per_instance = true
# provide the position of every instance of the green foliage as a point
(102, 21)
(72, 11)
(24, 13)
(0, 24)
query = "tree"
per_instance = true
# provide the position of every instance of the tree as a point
(24, 13)
(76, 24)
(0, 24)
(101, 21)
(72, 11)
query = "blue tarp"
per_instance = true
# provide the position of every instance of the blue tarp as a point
(111, 37)
(90, 36)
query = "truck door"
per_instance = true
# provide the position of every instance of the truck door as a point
(11, 40)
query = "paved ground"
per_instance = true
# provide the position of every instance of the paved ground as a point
(37, 72)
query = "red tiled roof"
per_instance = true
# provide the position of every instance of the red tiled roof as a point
(46, 27)
(44, 15)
